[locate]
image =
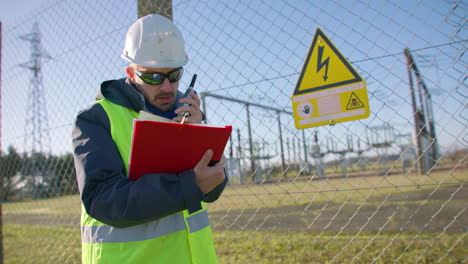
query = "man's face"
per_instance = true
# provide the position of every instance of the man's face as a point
(163, 96)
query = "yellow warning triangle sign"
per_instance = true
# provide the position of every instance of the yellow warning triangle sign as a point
(325, 67)
(354, 102)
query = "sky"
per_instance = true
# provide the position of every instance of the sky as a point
(245, 50)
(11, 11)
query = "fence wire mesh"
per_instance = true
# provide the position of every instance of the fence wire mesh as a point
(354, 192)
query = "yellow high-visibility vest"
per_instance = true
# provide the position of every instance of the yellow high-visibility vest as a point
(178, 238)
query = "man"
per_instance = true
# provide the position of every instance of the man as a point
(159, 218)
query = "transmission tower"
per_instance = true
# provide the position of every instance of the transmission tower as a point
(37, 138)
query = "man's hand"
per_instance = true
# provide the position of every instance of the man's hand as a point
(207, 178)
(193, 108)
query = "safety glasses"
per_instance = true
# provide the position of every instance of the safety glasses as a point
(157, 78)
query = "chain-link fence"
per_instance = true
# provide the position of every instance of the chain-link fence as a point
(389, 188)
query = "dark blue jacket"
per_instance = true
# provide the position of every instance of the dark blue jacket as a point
(106, 193)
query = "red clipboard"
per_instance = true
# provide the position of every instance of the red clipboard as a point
(160, 147)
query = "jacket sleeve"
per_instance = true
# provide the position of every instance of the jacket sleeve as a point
(108, 195)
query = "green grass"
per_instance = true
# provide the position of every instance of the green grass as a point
(39, 244)
(262, 247)
(64, 205)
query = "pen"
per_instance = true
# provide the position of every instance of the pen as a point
(187, 94)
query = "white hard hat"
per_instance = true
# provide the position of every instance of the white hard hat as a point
(154, 41)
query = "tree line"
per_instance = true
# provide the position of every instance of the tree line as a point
(35, 175)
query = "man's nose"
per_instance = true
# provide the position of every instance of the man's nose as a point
(166, 86)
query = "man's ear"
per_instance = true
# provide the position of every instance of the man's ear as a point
(130, 74)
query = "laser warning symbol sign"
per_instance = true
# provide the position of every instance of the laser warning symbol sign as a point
(329, 90)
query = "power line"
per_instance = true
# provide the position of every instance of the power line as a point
(413, 50)
(357, 61)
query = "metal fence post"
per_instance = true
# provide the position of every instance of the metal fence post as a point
(239, 155)
(162, 7)
(249, 128)
(1, 235)
(283, 163)
(1, 226)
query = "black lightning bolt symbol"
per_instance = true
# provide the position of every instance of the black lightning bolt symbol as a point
(321, 64)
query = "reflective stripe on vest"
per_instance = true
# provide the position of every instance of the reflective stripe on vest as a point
(198, 221)
(165, 226)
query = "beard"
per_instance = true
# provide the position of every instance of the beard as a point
(163, 101)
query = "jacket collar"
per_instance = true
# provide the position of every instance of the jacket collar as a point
(124, 93)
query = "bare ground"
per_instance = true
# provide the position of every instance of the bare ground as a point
(409, 212)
